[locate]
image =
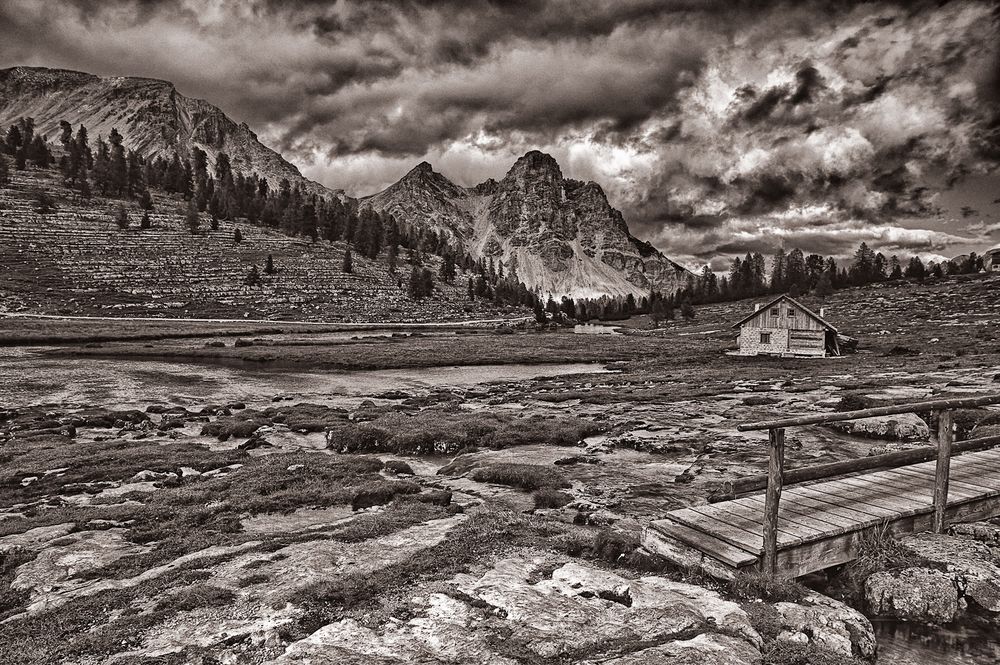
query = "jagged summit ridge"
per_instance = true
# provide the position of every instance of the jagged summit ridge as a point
(152, 116)
(559, 235)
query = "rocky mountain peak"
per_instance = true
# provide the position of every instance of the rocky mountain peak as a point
(561, 234)
(152, 116)
(535, 163)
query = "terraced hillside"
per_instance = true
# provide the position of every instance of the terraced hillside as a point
(75, 260)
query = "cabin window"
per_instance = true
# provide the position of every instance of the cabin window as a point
(791, 313)
(765, 338)
(775, 312)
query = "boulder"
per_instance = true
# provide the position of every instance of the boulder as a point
(151, 476)
(828, 624)
(913, 594)
(900, 427)
(972, 565)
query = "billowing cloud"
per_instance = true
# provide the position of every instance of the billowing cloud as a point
(716, 126)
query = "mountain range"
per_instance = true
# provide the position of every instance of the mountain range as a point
(559, 235)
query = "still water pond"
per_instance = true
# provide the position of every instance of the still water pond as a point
(27, 378)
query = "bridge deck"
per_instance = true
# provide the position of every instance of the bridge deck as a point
(820, 524)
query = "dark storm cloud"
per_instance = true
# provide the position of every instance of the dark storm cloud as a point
(711, 123)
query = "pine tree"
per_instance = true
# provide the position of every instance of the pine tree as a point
(237, 237)
(824, 287)
(44, 203)
(421, 283)
(687, 310)
(778, 283)
(118, 168)
(121, 218)
(144, 223)
(214, 224)
(448, 269)
(540, 315)
(393, 258)
(145, 200)
(4, 171)
(896, 270)
(12, 142)
(269, 265)
(253, 277)
(348, 265)
(192, 218)
(915, 269)
(83, 182)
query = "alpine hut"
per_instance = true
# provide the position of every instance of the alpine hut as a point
(991, 262)
(785, 327)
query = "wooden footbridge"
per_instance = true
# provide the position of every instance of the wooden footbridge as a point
(820, 522)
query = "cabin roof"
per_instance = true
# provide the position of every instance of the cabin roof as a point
(763, 308)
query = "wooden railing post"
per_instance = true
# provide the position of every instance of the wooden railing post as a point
(775, 479)
(945, 435)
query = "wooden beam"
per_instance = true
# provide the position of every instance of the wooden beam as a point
(818, 471)
(775, 473)
(913, 407)
(945, 435)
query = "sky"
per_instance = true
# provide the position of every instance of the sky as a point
(717, 127)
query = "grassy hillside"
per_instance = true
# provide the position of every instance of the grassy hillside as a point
(75, 260)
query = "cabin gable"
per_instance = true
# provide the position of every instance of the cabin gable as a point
(784, 327)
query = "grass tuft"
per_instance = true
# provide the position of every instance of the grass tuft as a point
(524, 476)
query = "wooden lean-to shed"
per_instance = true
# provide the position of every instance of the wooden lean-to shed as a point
(784, 327)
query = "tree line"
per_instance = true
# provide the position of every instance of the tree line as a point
(106, 168)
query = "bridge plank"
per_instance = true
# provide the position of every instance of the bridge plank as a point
(839, 498)
(721, 529)
(958, 484)
(810, 521)
(718, 549)
(751, 510)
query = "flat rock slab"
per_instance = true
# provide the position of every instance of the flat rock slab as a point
(531, 609)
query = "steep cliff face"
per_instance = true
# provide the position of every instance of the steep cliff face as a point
(153, 118)
(559, 235)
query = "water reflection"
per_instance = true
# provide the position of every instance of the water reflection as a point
(901, 643)
(594, 329)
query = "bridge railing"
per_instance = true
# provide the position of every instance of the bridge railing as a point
(942, 449)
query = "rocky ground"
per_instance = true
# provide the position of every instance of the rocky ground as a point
(248, 509)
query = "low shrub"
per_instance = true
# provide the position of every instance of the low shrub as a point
(449, 431)
(550, 498)
(398, 467)
(857, 401)
(524, 476)
(765, 619)
(239, 426)
(381, 492)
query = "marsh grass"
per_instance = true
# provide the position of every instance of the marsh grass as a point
(548, 497)
(754, 585)
(523, 476)
(446, 430)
